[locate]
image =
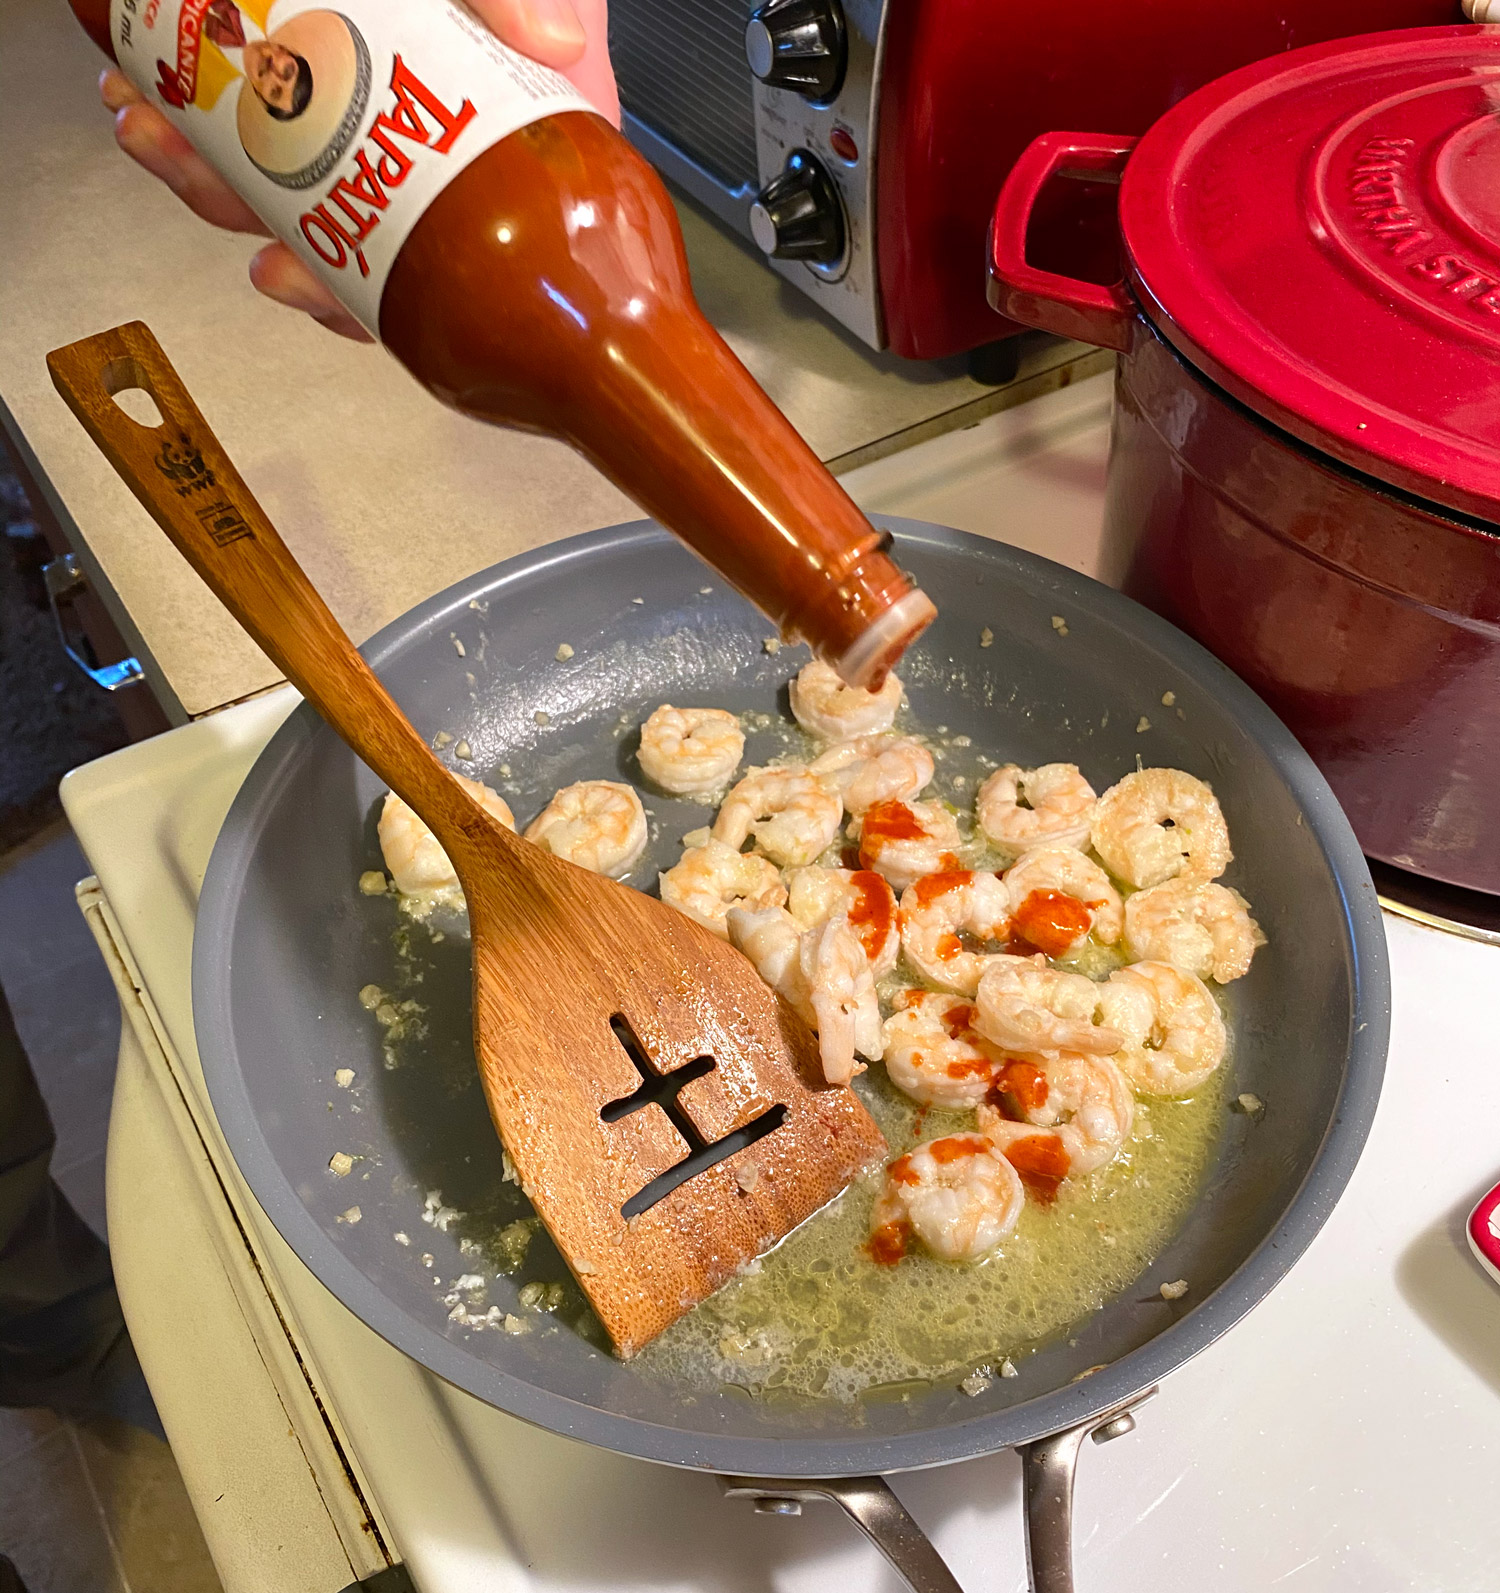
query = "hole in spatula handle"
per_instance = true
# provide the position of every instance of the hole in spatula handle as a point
(662, 1089)
(128, 384)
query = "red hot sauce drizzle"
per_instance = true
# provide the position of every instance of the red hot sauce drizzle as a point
(1051, 922)
(872, 912)
(1042, 1164)
(888, 1243)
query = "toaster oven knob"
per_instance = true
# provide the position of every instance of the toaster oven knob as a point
(799, 45)
(799, 215)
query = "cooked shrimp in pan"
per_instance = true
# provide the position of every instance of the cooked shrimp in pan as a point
(905, 840)
(710, 879)
(792, 815)
(1059, 898)
(1050, 806)
(1026, 1006)
(959, 1196)
(1173, 1032)
(1085, 1098)
(598, 824)
(934, 1055)
(411, 851)
(945, 918)
(1204, 930)
(832, 711)
(691, 751)
(814, 895)
(1161, 824)
(825, 976)
(869, 769)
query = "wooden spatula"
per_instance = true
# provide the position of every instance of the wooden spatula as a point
(616, 1038)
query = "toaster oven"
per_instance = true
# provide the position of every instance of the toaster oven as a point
(860, 144)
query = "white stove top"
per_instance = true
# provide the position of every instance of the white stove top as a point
(1345, 1436)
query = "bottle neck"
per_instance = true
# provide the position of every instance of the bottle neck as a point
(582, 323)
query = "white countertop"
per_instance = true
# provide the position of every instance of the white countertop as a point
(383, 495)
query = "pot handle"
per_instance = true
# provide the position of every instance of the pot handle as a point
(1044, 299)
(1047, 1468)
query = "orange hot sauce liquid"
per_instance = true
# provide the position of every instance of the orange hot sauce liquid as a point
(1051, 922)
(546, 288)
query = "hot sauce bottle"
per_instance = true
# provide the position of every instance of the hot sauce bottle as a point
(524, 263)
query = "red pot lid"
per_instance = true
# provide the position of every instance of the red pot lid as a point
(1320, 234)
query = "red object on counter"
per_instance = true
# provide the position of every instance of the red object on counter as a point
(1305, 472)
(966, 85)
(1484, 1233)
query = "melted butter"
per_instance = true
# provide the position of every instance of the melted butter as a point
(817, 1317)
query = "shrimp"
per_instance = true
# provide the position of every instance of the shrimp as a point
(823, 705)
(873, 769)
(824, 975)
(709, 880)
(1059, 897)
(1174, 1035)
(934, 1055)
(943, 911)
(1050, 806)
(598, 824)
(1086, 1099)
(690, 751)
(814, 895)
(1099, 1110)
(411, 851)
(958, 1195)
(1205, 930)
(1161, 824)
(905, 840)
(1026, 1006)
(791, 813)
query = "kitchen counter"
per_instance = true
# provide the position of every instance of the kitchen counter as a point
(384, 496)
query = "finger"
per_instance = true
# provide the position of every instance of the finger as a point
(117, 91)
(592, 75)
(280, 275)
(547, 30)
(151, 140)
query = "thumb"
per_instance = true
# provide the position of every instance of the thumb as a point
(547, 30)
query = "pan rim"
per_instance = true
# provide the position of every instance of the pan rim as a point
(812, 1456)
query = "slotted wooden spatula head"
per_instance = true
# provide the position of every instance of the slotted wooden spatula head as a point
(665, 1111)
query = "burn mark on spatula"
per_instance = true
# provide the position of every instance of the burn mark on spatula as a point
(662, 1090)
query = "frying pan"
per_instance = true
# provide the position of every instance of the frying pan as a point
(1076, 672)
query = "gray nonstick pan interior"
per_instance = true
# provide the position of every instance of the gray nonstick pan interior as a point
(285, 942)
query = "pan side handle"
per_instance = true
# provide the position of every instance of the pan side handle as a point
(874, 1509)
(1048, 1466)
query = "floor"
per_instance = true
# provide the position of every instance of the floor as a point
(98, 1508)
(51, 716)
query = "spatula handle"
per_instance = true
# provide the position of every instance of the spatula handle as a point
(183, 477)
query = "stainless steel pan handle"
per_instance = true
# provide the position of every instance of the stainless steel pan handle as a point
(874, 1509)
(1047, 1469)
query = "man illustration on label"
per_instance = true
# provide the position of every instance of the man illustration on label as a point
(306, 89)
(280, 76)
(303, 83)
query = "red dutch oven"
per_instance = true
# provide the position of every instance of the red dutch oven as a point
(1305, 467)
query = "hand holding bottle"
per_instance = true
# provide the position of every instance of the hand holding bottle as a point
(569, 35)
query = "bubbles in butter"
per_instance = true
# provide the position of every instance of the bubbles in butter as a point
(817, 1317)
